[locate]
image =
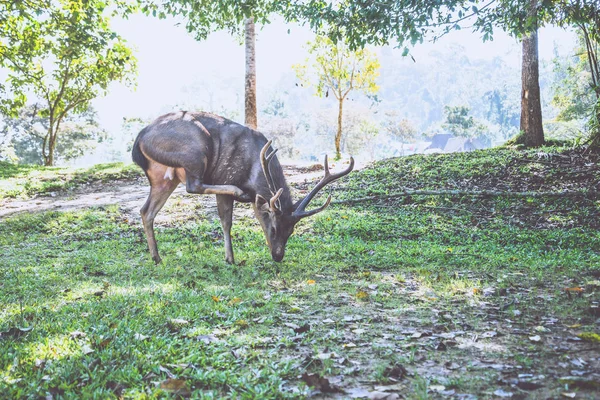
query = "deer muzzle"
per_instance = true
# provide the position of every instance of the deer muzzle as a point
(278, 253)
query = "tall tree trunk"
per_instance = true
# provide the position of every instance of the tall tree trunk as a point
(48, 147)
(338, 135)
(251, 119)
(532, 131)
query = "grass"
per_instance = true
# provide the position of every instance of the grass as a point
(449, 288)
(23, 181)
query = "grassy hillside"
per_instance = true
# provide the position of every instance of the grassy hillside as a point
(417, 297)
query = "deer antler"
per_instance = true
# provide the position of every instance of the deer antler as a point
(299, 210)
(265, 161)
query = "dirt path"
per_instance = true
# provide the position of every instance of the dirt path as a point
(130, 196)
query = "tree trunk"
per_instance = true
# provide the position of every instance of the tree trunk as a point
(51, 147)
(251, 119)
(48, 147)
(532, 131)
(338, 135)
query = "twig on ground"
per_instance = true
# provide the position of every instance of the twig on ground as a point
(468, 193)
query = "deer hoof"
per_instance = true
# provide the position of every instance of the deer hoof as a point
(157, 260)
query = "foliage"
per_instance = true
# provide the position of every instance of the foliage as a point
(365, 293)
(401, 129)
(65, 57)
(409, 22)
(334, 67)
(206, 16)
(460, 123)
(24, 136)
(585, 15)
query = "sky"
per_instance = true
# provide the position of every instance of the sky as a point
(173, 65)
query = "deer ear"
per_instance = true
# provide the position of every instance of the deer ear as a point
(262, 203)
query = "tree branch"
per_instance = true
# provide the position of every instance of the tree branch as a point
(484, 193)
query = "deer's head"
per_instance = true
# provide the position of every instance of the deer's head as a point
(278, 222)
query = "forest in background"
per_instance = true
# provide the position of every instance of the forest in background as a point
(411, 106)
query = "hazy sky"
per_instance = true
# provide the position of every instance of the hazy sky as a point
(170, 60)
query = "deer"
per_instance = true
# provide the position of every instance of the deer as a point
(214, 155)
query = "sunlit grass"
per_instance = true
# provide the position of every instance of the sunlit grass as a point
(26, 181)
(374, 283)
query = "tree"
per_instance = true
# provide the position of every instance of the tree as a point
(532, 130)
(400, 129)
(24, 135)
(72, 56)
(340, 70)
(251, 117)
(460, 123)
(409, 21)
(238, 17)
(585, 16)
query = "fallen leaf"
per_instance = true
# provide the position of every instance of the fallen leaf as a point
(15, 332)
(77, 335)
(526, 385)
(115, 387)
(361, 295)
(235, 300)
(207, 339)
(325, 356)
(311, 282)
(291, 325)
(437, 388)
(241, 323)
(574, 290)
(570, 395)
(319, 383)
(502, 393)
(489, 334)
(175, 386)
(451, 365)
(103, 343)
(535, 338)
(39, 364)
(86, 349)
(589, 337)
(140, 337)
(167, 371)
(215, 299)
(396, 371)
(302, 329)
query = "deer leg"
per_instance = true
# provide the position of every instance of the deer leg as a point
(195, 185)
(225, 208)
(159, 193)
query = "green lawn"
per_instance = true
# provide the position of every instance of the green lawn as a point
(419, 297)
(27, 180)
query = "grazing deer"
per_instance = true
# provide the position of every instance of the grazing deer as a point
(214, 155)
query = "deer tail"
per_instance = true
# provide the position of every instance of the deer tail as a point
(137, 155)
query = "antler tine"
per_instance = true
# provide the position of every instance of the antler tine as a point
(274, 201)
(299, 211)
(265, 162)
